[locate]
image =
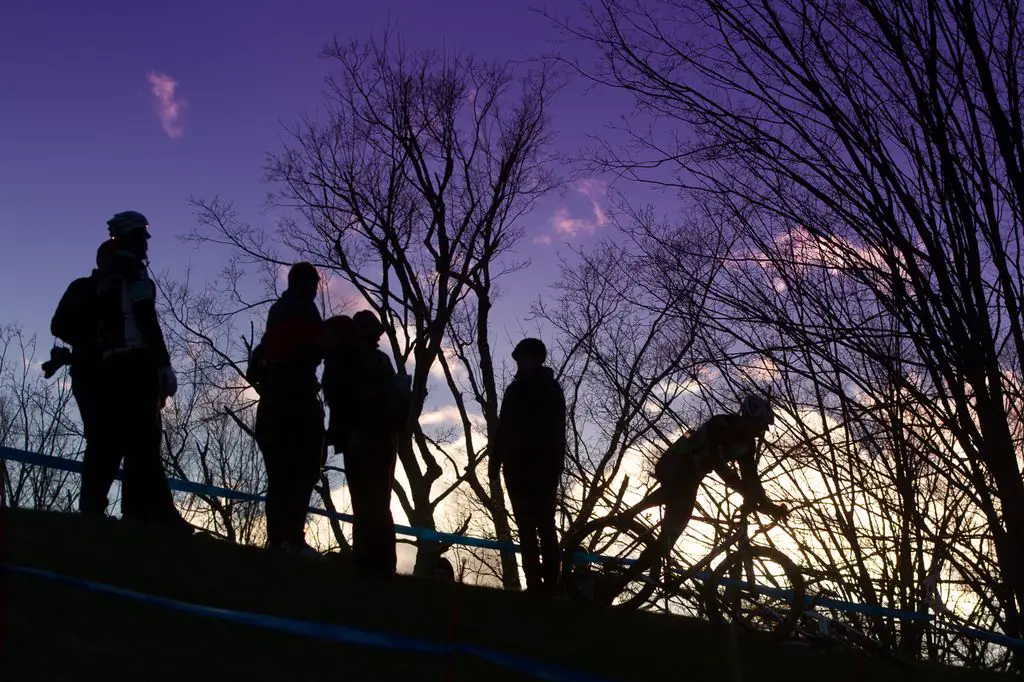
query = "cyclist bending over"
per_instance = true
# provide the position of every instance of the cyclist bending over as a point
(722, 439)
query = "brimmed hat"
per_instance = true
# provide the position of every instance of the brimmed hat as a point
(367, 322)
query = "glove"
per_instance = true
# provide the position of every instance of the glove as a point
(169, 382)
(59, 357)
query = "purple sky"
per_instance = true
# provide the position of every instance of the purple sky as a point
(84, 85)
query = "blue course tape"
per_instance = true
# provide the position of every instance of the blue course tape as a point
(74, 466)
(330, 631)
(64, 464)
(994, 637)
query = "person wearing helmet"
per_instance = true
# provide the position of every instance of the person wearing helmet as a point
(135, 373)
(75, 323)
(529, 444)
(369, 407)
(290, 417)
(713, 447)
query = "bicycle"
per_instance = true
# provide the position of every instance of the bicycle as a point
(821, 630)
(724, 594)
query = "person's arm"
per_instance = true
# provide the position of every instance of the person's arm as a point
(756, 494)
(142, 295)
(315, 341)
(495, 448)
(559, 427)
(747, 482)
(329, 381)
(398, 400)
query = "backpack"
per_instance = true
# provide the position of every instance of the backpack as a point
(75, 321)
(256, 369)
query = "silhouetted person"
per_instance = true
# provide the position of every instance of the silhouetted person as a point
(341, 334)
(135, 374)
(370, 404)
(530, 445)
(289, 417)
(719, 442)
(76, 323)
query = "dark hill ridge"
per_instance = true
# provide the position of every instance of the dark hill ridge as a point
(53, 631)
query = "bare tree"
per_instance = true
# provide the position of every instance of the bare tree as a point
(409, 188)
(628, 326)
(35, 416)
(889, 133)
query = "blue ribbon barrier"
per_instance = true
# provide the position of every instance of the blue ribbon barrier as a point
(329, 631)
(202, 489)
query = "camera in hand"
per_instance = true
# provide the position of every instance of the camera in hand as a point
(59, 357)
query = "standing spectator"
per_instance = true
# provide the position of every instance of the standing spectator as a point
(290, 418)
(370, 403)
(76, 323)
(530, 444)
(135, 375)
(341, 335)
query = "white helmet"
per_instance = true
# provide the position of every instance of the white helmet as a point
(757, 408)
(127, 223)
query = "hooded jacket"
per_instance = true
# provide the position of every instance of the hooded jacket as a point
(363, 393)
(531, 435)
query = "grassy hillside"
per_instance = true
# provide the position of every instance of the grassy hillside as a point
(58, 632)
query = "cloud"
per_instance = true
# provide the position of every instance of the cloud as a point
(596, 191)
(449, 413)
(565, 224)
(169, 106)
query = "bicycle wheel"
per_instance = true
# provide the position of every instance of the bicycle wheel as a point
(597, 561)
(759, 588)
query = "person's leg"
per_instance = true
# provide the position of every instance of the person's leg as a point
(679, 501)
(121, 410)
(524, 510)
(99, 466)
(132, 433)
(362, 502)
(547, 510)
(382, 533)
(677, 516)
(305, 464)
(147, 494)
(268, 439)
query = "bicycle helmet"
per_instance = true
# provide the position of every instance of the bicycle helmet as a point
(128, 223)
(757, 408)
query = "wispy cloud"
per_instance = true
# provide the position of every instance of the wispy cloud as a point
(169, 105)
(595, 190)
(565, 224)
